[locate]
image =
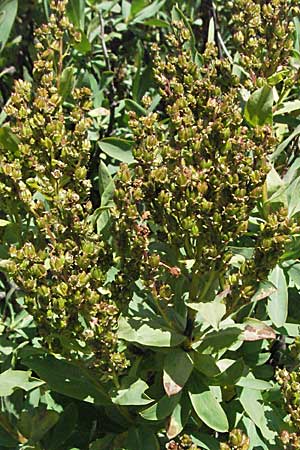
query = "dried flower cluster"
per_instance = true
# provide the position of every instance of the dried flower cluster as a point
(58, 260)
(266, 43)
(200, 171)
(291, 441)
(237, 440)
(185, 443)
(290, 387)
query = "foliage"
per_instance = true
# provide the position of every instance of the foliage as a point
(149, 225)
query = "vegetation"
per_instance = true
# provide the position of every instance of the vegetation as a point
(149, 222)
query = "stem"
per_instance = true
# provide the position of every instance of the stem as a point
(193, 296)
(169, 322)
(115, 379)
(60, 63)
(266, 206)
(113, 91)
(210, 280)
(188, 248)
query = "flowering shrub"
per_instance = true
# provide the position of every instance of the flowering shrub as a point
(150, 245)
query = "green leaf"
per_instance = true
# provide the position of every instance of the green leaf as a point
(253, 383)
(230, 372)
(258, 109)
(156, 23)
(290, 329)
(206, 406)
(294, 200)
(84, 46)
(250, 400)
(162, 409)
(131, 105)
(8, 140)
(206, 364)
(8, 12)
(178, 366)
(264, 290)
(66, 378)
(117, 148)
(102, 221)
(296, 21)
(137, 6)
(66, 82)
(10, 380)
(219, 340)
(276, 188)
(211, 31)
(277, 77)
(150, 11)
(134, 395)
(284, 144)
(288, 107)
(278, 302)
(149, 333)
(106, 185)
(294, 274)
(211, 312)
(126, 10)
(75, 10)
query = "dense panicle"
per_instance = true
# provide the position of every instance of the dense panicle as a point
(290, 387)
(199, 174)
(265, 44)
(58, 260)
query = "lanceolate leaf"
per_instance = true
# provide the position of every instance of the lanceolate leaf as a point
(134, 395)
(106, 184)
(258, 110)
(8, 139)
(162, 409)
(149, 333)
(230, 372)
(117, 148)
(68, 379)
(294, 274)
(149, 11)
(206, 364)
(278, 302)
(211, 312)
(253, 383)
(8, 12)
(251, 402)
(177, 369)
(76, 13)
(206, 406)
(218, 340)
